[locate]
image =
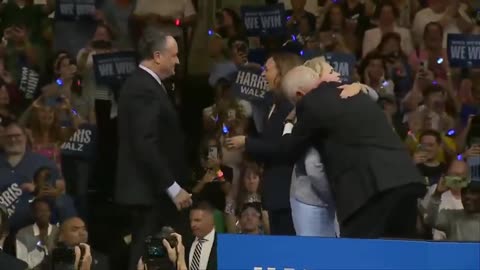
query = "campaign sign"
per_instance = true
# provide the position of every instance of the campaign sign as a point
(114, 68)
(237, 251)
(463, 50)
(250, 84)
(342, 63)
(264, 20)
(82, 143)
(28, 84)
(75, 9)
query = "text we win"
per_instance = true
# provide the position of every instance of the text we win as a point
(465, 52)
(116, 68)
(264, 22)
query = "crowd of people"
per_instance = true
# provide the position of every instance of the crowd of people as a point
(392, 151)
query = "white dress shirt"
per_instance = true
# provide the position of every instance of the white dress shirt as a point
(36, 256)
(174, 189)
(206, 250)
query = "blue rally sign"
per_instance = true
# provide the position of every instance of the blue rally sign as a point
(463, 50)
(113, 68)
(264, 20)
(250, 84)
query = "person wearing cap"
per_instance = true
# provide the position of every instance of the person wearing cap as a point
(458, 224)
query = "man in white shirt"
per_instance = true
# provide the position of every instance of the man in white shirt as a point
(34, 242)
(453, 17)
(203, 251)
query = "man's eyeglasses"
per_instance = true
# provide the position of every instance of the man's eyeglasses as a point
(13, 136)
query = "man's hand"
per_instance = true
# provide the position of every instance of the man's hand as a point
(183, 200)
(28, 187)
(209, 176)
(441, 187)
(87, 257)
(172, 253)
(419, 157)
(350, 90)
(236, 143)
(48, 192)
(473, 151)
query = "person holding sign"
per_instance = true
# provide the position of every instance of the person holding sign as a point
(151, 154)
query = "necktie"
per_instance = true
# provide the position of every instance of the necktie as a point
(196, 255)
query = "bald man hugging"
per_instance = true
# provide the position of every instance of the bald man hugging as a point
(373, 181)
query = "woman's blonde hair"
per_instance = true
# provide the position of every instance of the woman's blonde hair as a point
(317, 64)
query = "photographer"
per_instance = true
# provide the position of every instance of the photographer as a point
(176, 254)
(72, 250)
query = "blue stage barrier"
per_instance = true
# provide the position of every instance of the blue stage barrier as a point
(245, 252)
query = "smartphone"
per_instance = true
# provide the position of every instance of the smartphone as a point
(424, 65)
(213, 152)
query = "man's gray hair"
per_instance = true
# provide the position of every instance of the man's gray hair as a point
(299, 78)
(153, 40)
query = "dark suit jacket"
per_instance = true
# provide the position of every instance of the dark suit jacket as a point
(361, 153)
(11, 263)
(277, 173)
(99, 262)
(212, 260)
(151, 152)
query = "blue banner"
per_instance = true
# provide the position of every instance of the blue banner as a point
(250, 84)
(245, 252)
(342, 63)
(111, 69)
(75, 10)
(264, 20)
(82, 143)
(463, 50)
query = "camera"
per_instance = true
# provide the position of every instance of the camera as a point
(156, 255)
(63, 257)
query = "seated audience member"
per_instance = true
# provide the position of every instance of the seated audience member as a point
(450, 199)
(73, 232)
(18, 169)
(34, 242)
(7, 261)
(202, 253)
(250, 218)
(458, 224)
(425, 156)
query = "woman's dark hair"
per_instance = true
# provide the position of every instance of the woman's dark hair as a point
(388, 36)
(327, 24)
(386, 3)
(41, 200)
(109, 30)
(374, 55)
(432, 24)
(76, 80)
(237, 21)
(39, 171)
(248, 166)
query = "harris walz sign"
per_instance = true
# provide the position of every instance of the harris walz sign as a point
(82, 143)
(70, 10)
(28, 83)
(250, 84)
(264, 20)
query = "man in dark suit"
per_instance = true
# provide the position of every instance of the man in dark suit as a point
(73, 233)
(7, 261)
(202, 253)
(373, 179)
(151, 157)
